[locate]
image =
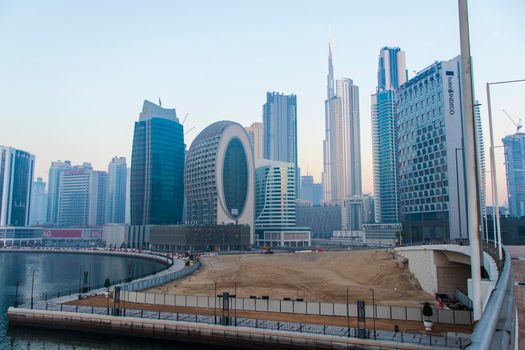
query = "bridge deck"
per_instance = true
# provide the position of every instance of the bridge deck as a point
(517, 254)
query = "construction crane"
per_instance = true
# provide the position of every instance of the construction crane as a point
(186, 133)
(518, 124)
(184, 120)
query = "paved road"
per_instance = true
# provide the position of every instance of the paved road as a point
(517, 254)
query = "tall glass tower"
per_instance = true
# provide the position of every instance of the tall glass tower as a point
(391, 74)
(280, 129)
(16, 178)
(157, 167)
(342, 144)
(116, 195)
(514, 146)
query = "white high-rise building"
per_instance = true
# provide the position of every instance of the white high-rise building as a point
(53, 186)
(256, 137)
(82, 196)
(342, 144)
(275, 196)
(16, 179)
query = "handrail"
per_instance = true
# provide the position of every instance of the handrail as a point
(497, 322)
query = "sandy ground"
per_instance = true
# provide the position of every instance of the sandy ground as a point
(316, 276)
(404, 326)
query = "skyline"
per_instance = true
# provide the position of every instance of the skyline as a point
(102, 69)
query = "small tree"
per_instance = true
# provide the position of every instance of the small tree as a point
(187, 263)
(107, 283)
(427, 310)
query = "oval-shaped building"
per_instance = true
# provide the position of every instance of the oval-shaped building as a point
(219, 177)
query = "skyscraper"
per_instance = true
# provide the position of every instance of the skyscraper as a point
(514, 146)
(53, 180)
(38, 210)
(116, 194)
(342, 144)
(391, 74)
(16, 179)
(82, 196)
(430, 134)
(219, 177)
(157, 167)
(280, 129)
(256, 137)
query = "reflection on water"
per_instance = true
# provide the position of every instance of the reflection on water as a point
(26, 338)
(63, 272)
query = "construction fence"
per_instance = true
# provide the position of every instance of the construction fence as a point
(459, 317)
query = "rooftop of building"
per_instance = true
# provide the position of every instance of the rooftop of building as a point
(150, 110)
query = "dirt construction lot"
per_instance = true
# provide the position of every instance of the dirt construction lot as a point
(315, 276)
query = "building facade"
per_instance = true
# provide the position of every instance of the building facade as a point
(82, 197)
(171, 238)
(280, 129)
(356, 211)
(322, 220)
(391, 74)
(275, 204)
(514, 146)
(219, 177)
(342, 144)
(274, 194)
(38, 210)
(432, 181)
(256, 137)
(53, 189)
(157, 167)
(117, 190)
(16, 179)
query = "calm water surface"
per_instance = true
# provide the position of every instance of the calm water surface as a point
(61, 272)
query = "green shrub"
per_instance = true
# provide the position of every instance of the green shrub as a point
(427, 310)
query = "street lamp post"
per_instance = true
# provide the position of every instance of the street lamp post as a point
(32, 288)
(495, 200)
(374, 310)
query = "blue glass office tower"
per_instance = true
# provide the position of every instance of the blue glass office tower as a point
(16, 179)
(391, 74)
(280, 129)
(157, 168)
(515, 169)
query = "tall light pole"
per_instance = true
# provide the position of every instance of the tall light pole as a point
(493, 177)
(470, 160)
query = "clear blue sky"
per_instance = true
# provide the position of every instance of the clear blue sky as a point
(74, 74)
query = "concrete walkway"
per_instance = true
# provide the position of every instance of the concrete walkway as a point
(517, 254)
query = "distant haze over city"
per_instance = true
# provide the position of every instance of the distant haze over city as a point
(74, 75)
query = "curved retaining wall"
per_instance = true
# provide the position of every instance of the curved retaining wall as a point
(239, 337)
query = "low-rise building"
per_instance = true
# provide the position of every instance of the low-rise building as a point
(382, 234)
(176, 238)
(20, 236)
(72, 237)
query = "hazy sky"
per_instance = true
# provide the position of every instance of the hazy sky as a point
(74, 74)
